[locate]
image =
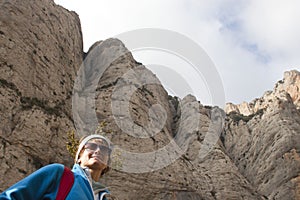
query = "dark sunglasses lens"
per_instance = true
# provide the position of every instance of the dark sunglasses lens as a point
(104, 149)
(91, 146)
(94, 147)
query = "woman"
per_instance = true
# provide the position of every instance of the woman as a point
(91, 162)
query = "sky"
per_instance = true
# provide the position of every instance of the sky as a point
(251, 42)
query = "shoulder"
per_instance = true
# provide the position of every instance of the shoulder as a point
(52, 168)
(42, 182)
(51, 171)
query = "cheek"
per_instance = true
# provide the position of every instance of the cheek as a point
(84, 157)
(106, 158)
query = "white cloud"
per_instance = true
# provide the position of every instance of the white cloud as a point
(273, 24)
(272, 30)
(251, 42)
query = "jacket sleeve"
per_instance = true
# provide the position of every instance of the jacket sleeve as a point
(42, 184)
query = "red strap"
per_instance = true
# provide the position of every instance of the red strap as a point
(65, 185)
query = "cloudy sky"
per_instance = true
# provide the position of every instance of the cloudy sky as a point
(250, 42)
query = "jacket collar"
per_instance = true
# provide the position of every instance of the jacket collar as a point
(97, 186)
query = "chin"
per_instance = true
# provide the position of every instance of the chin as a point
(97, 164)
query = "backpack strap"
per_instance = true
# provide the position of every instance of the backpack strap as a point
(65, 185)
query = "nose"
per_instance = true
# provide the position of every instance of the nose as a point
(97, 151)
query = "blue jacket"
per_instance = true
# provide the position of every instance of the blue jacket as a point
(44, 184)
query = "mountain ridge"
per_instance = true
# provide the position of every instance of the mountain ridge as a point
(248, 151)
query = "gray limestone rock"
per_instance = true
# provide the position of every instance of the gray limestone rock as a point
(164, 147)
(265, 145)
(41, 50)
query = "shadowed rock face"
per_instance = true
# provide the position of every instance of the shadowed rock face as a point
(169, 148)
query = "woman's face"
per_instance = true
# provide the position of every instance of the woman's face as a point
(95, 154)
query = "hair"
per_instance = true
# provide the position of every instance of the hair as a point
(81, 149)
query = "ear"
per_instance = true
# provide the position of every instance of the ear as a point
(79, 157)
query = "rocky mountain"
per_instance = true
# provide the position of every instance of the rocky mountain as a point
(262, 139)
(41, 49)
(164, 147)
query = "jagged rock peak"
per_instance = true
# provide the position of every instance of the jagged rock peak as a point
(264, 145)
(108, 43)
(290, 84)
(40, 57)
(286, 90)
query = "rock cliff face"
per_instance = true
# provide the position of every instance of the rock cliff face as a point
(262, 138)
(165, 147)
(169, 163)
(40, 51)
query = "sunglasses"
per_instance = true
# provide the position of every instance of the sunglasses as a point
(93, 147)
